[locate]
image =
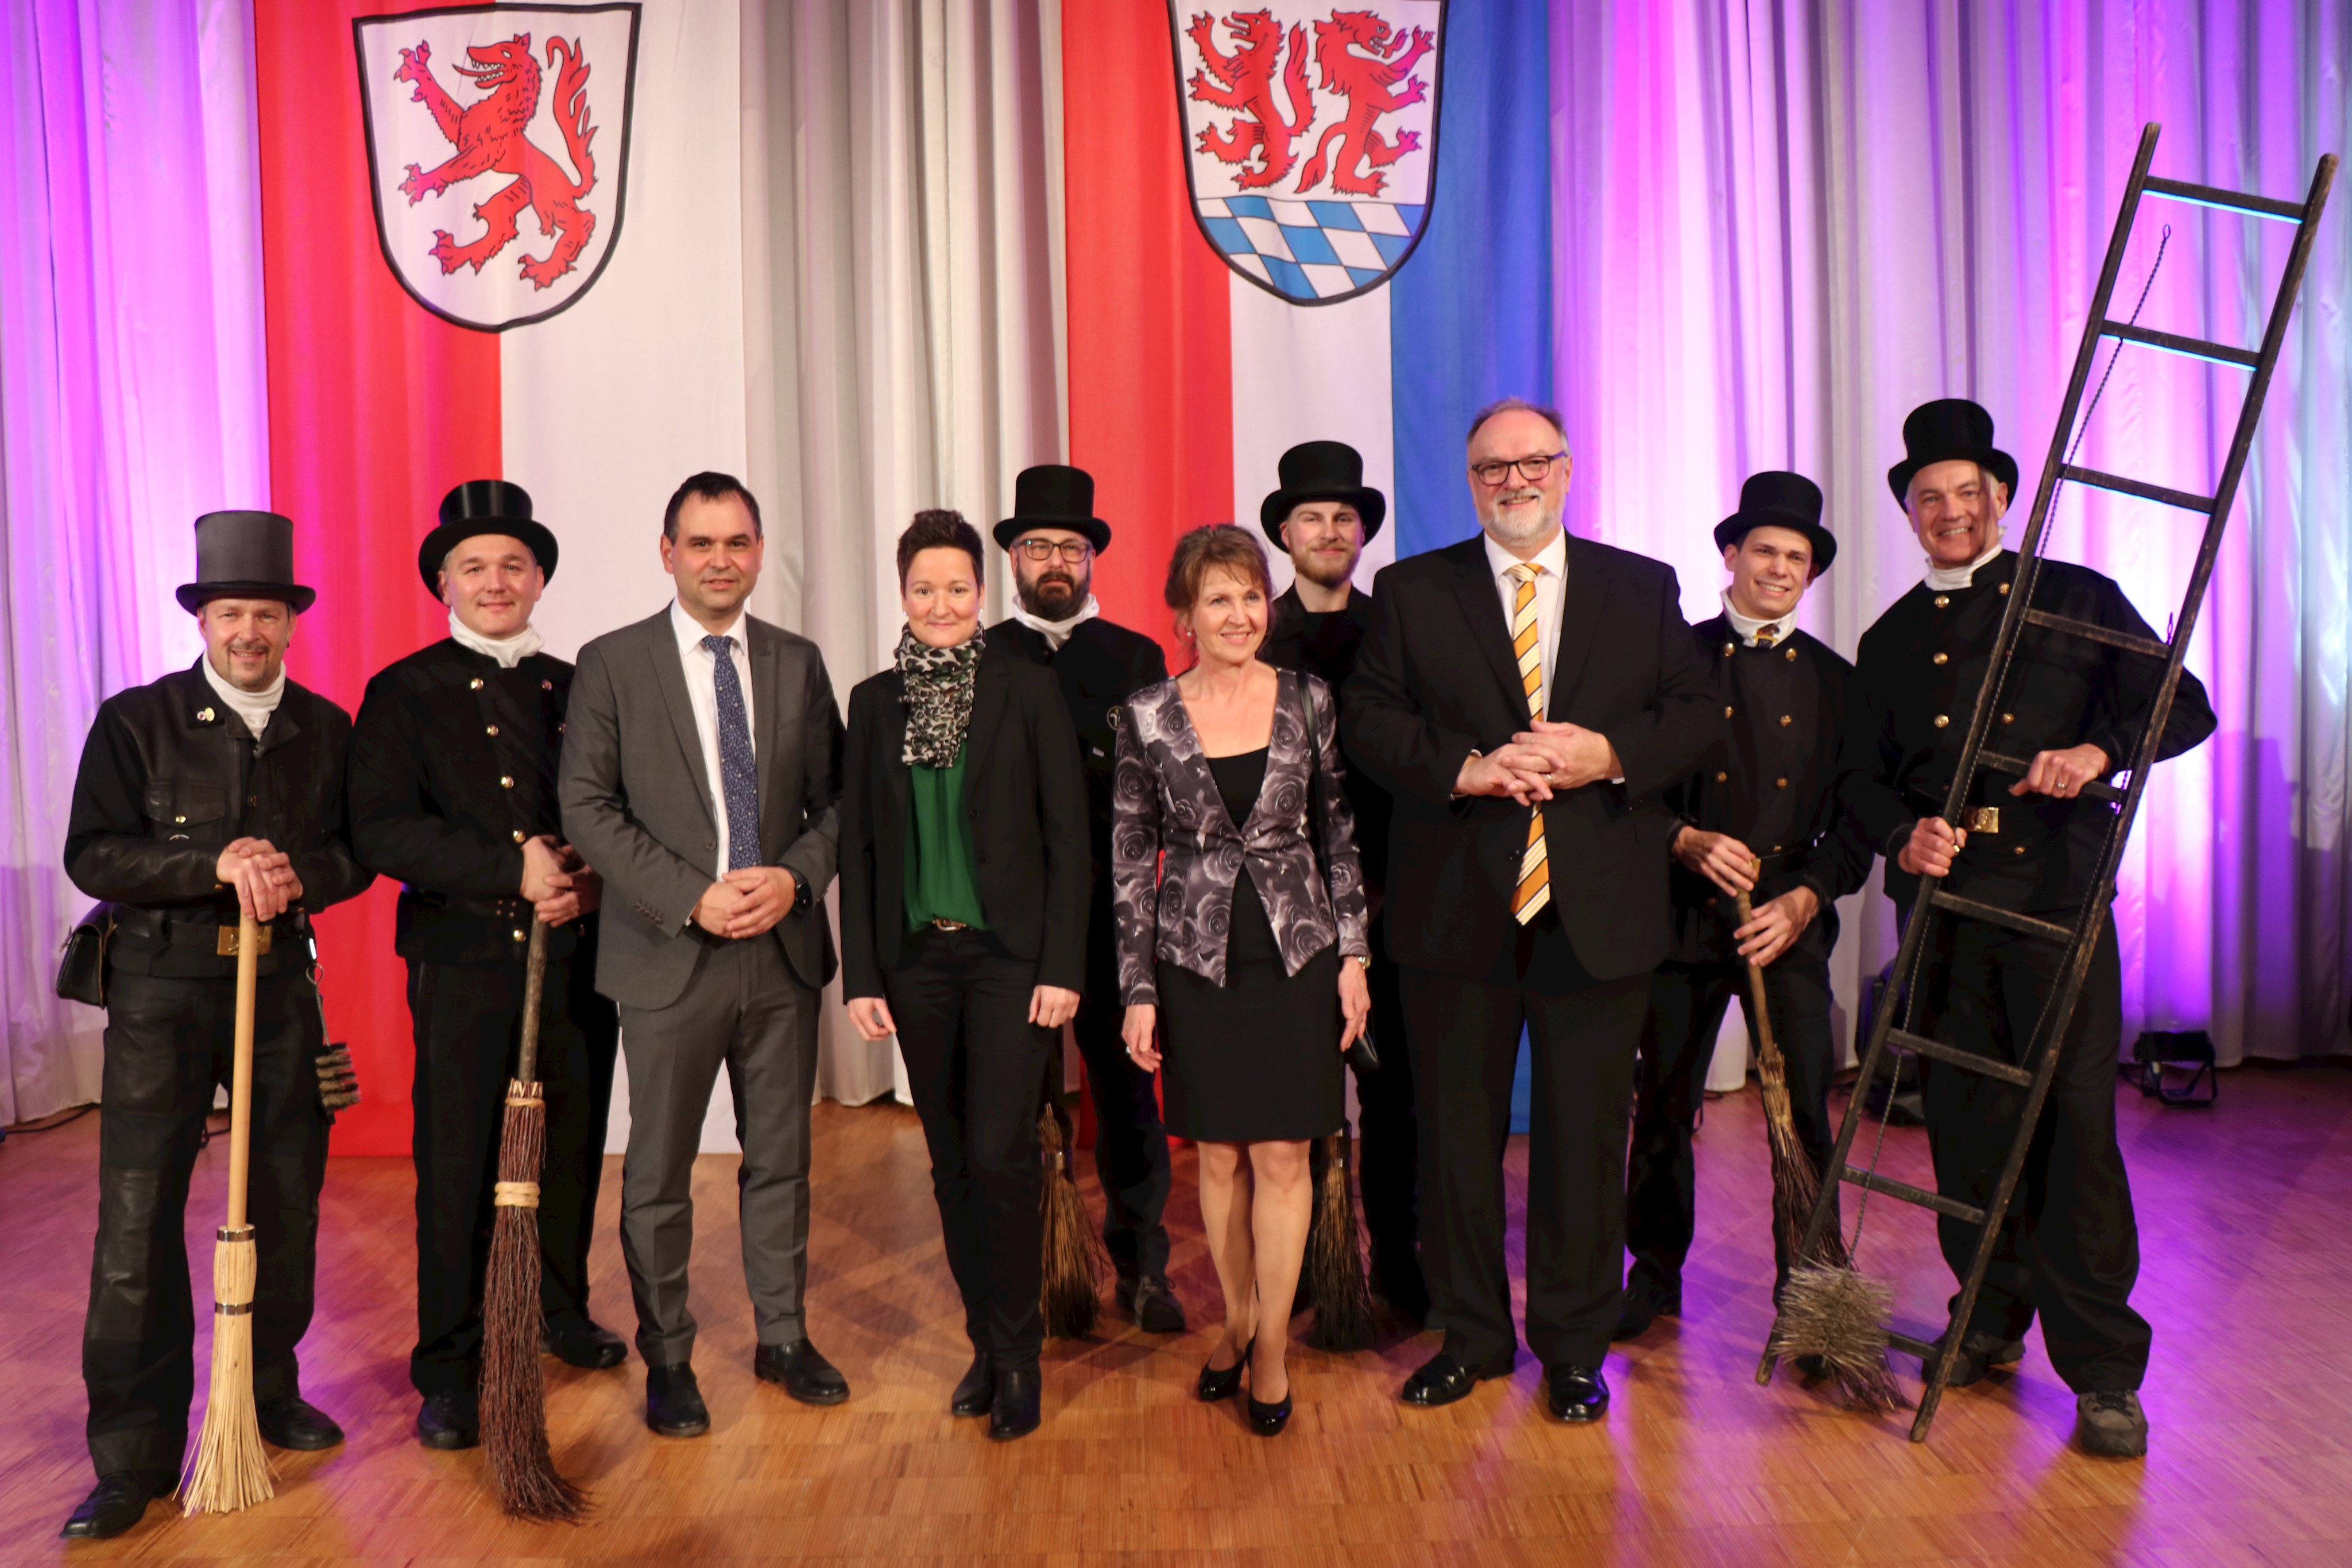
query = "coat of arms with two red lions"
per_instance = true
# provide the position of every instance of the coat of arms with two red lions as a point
(483, 126)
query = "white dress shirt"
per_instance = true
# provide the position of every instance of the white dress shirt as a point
(702, 695)
(1551, 582)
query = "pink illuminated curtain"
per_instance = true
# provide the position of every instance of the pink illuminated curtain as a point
(1782, 226)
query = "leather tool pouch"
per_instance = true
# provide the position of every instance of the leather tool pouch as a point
(82, 962)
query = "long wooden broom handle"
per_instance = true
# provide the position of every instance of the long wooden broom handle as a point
(534, 981)
(1765, 1046)
(240, 1077)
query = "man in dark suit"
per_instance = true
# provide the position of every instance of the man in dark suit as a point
(1321, 517)
(2071, 710)
(1523, 696)
(1760, 815)
(453, 791)
(1053, 537)
(702, 766)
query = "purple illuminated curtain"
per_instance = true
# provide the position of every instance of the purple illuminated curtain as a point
(131, 400)
(1782, 226)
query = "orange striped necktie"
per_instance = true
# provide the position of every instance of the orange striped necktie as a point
(1534, 890)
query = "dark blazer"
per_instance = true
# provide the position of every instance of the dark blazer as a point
(2064, 691)
(1435, 681)
(1329, 652)
(636, 799)
(1770, 778)
(169, 777)
(1099, 665)
(1179, 910)
(1024, 798)
(452, 767)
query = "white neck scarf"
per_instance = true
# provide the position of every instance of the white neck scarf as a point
(1055, 632)
(1747, 625)
(1943, 579)
(507, 650)
(254, 707)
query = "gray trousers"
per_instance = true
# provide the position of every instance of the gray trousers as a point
(742, 1007)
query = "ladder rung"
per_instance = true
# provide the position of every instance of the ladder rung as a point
(1974, 1062)
(2230, 201)
(2000, 762)
(1926, 1350)
(1969, 908)
(1909, 1193)
(2097, 633)
(2196, 348)
(2145, 491)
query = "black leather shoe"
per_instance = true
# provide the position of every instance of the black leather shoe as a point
(1268, 1420)
(117, 1502)
(806, 1375)
(674, 1406)
(1577, 1393)
(974, 1395)
(290, 1421)
(450, 1421)
(1152, 1304)
(1217, 1385)
(1441, 1379)
(1017, 1406)
(578, 1341)
(1645, 1302)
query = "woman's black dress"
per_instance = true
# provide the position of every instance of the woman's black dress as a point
(1257, 1059)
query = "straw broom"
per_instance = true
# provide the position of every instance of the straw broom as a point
(230, 1470)
(514, 1400)
(1334, 1257)
(1072, 1288)
(1828, 1310)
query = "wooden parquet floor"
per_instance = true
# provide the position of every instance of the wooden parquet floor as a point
(2249, 1268)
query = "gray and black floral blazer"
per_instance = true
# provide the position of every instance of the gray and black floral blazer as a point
(1165, 799)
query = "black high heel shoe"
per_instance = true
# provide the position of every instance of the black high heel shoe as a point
(1217, 1385)
(1268, 1420)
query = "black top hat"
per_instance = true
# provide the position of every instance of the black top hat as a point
(245, 555)
(1322, 471)
(481, 507)
(1776, 499)
(1948, 430)
(1053, 496)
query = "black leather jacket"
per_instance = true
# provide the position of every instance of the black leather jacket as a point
(168, 776)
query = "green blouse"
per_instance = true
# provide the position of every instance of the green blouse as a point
(939, 880)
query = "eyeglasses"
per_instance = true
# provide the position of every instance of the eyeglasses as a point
(1531, 469)
(1074, 552)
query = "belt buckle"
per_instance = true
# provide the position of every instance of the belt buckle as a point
(1983, 820)
(225, 942)
(939, 925)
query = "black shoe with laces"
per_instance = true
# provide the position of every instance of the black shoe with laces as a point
(2111, 1425)
(674, 1406)
(582, 1343)
(119, 1501)
(450, 1420)
(1152, 1304)
(290, 1421)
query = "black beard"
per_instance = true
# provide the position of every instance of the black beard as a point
(1050, 598)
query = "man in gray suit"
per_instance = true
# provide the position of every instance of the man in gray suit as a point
(700, 774)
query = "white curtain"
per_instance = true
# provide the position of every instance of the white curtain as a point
(901, 304)
(132, 399)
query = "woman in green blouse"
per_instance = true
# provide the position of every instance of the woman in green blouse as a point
(964, 868)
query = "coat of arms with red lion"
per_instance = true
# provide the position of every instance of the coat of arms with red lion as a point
(1312, 137)
(490, 203)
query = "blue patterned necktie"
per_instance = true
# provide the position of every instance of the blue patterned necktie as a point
(739, 770)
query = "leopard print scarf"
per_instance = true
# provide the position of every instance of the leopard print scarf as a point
(937, 687)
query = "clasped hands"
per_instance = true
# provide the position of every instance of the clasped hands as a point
(2061, 775)
(746, 902)
(1772, 925)
(262, 875)
(1050, 1006)
(1539, 762)
(558, 882)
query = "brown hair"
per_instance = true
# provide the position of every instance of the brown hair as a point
(937, 530)
(1214, 546)
(1507, 406)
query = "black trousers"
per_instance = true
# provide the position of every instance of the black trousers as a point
(1388, 1143)
(1130, 1143)
(2069, 1248)
(1686, 1008)
(468, 1026)
(168, 1044)
(1464, 1044)
(976, 1064)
